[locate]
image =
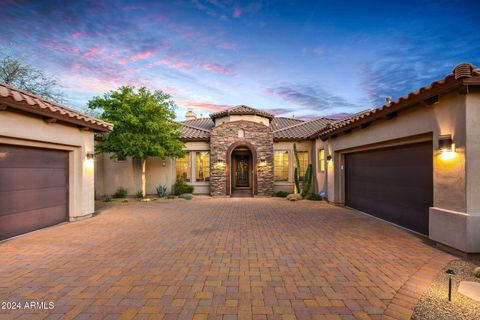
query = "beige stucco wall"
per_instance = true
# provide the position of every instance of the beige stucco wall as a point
(456, 181)
(111, 174)
(253, 118)
(26, 130)
(288, 186)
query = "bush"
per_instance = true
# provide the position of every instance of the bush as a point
(181, 187)
(139, 194)
(171, 196)
(161, 191)
(313, 197)
(186, 196)
(281, 194)
(477, 272)
(107, 198)
(120, 193)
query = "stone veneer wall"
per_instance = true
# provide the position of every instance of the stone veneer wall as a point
(258, 135)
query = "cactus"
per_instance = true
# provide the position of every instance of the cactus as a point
(307, 178)
(307, 181)
(296, 175)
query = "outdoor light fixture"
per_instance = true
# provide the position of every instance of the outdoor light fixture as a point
(220, 164)
(450, 272)
(89, 155)
(445, 143)
(329, 160)
(263, 161)
(447, 147)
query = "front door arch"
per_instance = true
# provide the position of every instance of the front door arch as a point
(230, 149)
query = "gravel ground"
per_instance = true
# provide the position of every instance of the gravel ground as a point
(434, 302)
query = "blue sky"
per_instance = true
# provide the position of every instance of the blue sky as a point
(302, 58)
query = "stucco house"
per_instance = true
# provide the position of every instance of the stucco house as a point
(46, 162)
(414, 161)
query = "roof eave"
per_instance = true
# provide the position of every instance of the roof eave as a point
(34, 109)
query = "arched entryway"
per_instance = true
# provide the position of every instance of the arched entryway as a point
(241, 170)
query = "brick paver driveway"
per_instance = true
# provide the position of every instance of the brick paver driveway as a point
(219, 259)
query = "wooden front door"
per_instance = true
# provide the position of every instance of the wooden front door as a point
(242, 174)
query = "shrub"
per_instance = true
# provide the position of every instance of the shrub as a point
(281, 194)
(181, 187)
(314, 197)
(171, 196)
(107, 198)
(186, 196)
(161, 191)
(139, 194)
(120, 193)
(477, 272)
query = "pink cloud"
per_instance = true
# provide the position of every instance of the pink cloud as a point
(214, 67)
(226, 46)
(141, 56)
(77, 34)
(211, 107)
(170, 63)
(237, 12)
(93, 52)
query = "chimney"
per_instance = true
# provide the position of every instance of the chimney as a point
(388, 99)
(190, 115)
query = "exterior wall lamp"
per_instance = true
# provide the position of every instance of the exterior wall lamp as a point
(220, 164)
(447, 147)
(263, 161)
(89, 155)
(329, 160)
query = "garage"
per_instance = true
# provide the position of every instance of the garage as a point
(394, 184)
(46, 162)
(33, 189)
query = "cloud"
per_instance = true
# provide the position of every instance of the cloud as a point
(237, 12)
(417, 61)
(226, 46)
(214, 67)
(310, 96)
(141, 56)
(209, 106)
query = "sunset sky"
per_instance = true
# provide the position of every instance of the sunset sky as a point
(308, 59)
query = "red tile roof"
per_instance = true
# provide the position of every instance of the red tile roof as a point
(282, 122)
(22, 100)
(302, 130)
(241, 110)
(461, 76)
(191, 133)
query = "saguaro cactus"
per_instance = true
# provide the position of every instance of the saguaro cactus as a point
(307, 178)
(296, 174)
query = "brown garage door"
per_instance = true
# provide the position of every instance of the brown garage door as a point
(33, 189)
(395, 184)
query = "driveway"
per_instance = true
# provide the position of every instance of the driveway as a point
(218, 259)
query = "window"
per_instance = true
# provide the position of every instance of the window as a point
(303, 157)
(280, 165)
(182, 166)
(321, 160)
(202, 166)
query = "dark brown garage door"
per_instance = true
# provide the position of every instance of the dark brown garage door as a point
(33, 189)
(395, 184)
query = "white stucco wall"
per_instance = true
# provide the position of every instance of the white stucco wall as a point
(26, 130)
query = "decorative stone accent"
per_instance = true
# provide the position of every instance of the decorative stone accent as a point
(256, 136)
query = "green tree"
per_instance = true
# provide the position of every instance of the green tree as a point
(143, 125)
(18, 73)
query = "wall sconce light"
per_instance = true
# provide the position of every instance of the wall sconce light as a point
(220, 164)
(263, 161)
(89, 155)
(329, 160)
(447, 147)
(445, 143)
